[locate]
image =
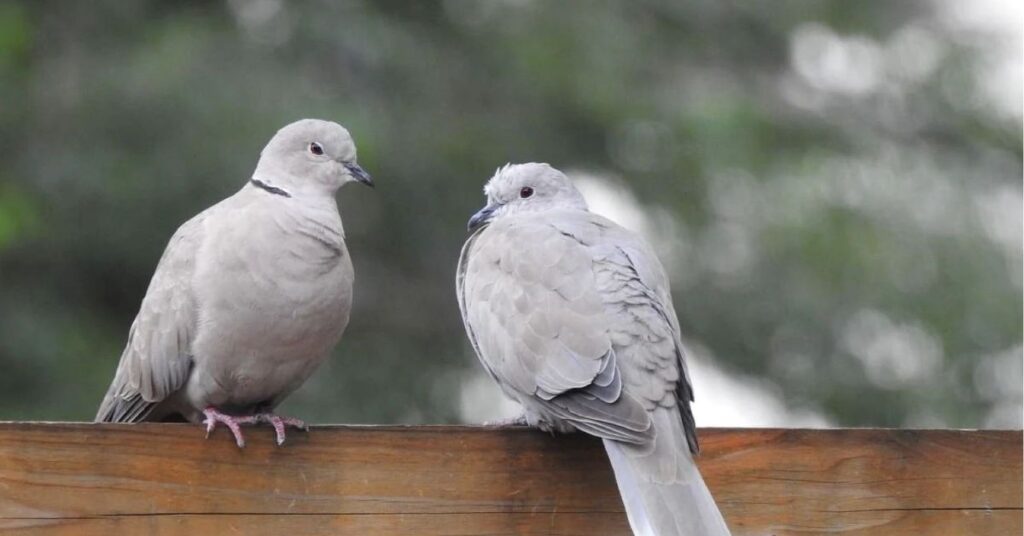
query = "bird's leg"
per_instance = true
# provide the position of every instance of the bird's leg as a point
(279, 423)
(233, 423)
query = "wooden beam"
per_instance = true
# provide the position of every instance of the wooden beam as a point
(88, 479)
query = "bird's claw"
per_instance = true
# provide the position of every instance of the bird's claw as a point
(233, 423)
(279, 424)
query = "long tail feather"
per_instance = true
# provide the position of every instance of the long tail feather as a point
(661, 488)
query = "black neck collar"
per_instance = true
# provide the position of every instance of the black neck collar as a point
(272, 189)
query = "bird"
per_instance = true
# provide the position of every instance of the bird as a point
(249, 296)
(571, 314)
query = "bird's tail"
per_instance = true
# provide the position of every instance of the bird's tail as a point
(661, 488)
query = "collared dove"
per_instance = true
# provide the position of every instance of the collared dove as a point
(571, 315)
(249, 297)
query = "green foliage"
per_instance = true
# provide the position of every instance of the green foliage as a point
(839, 213)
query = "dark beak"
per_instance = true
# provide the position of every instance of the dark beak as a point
(359, 173)
(481, 218)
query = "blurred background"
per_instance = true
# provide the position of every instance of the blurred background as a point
(834, 186)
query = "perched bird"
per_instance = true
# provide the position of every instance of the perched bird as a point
(571, 315)
(249, 297)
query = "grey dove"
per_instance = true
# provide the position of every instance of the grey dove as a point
(571, 315)
(249, 297)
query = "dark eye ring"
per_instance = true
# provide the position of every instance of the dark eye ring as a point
(316, 148)
(525, 192)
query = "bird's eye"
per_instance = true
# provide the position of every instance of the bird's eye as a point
(525, 192)
(316, 148)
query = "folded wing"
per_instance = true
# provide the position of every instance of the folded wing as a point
(156, 361)
(534, 313)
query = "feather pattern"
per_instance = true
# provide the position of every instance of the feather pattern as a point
(156, 360)
(572, 315)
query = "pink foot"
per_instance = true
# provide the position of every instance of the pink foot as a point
(213, 417)
(234, 424)
(279, 423)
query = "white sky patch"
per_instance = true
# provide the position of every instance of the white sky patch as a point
(1000, 212)
(481, 400)
(894, 355)
(825, 63)
(997, 26)
(723, 400)
(997, 378)
(612, 200)
(912, 53)
(849, 65)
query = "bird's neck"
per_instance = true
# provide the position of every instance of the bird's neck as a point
(300, 209)
(287, 187)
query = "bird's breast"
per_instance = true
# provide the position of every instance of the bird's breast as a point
(273, 291)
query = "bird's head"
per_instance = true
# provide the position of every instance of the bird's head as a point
(526, 188)
(310, 156)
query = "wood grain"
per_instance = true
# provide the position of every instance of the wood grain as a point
(166, 479)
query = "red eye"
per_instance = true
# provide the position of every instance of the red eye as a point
(525, 192)
(316, 148)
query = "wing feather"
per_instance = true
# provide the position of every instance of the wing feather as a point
(156, 360)
(645, 329)
(537, 322)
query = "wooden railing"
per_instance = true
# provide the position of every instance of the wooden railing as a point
(166, 479)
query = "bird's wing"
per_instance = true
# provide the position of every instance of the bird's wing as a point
(644, 328)
(156, 361)
(534, 314)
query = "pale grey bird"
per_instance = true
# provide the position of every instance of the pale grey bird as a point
(249, 297)
(571, 315)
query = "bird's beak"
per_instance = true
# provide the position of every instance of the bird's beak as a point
(358, 173)
(481, 218)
